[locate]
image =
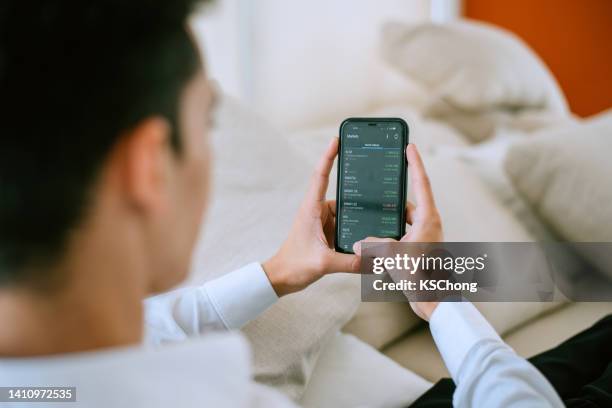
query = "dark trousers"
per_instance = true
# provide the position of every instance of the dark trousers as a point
(580, 370)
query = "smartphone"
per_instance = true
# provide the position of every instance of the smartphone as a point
(371, 192)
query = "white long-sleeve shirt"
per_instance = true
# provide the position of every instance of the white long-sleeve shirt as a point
(228, 302)
(487, 372)
(214, 370)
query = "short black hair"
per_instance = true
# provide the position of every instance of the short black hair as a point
(74, 77)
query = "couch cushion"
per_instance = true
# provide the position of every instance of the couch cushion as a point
(477, 75)
(379, 323)
(565, 176)
(418, 353)
(551, 329)
(350, 373)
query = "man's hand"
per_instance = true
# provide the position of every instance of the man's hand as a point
(423, 218)
(308, 253)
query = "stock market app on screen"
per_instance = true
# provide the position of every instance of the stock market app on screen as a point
(370, 166)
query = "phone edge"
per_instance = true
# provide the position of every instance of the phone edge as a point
(404, 174)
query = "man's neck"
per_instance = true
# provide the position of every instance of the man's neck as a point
(98, 305)
(64, 323)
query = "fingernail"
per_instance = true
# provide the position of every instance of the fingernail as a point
(356, 246)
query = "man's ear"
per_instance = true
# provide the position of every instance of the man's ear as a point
(144, 164)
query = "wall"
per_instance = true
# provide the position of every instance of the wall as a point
(301, 63)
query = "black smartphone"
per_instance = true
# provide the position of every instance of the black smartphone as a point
(371, 192)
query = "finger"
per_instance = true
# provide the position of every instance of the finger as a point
(329, 229)
(331, 205)
(338, 262)
(420, 180)
(410, 208)
(320, 178)
(357, 245)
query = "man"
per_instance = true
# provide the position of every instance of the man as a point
(104, 165)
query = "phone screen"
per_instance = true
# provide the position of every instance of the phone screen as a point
(371, 191)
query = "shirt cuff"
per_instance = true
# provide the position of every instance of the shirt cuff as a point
(456, 327)
(241, 295)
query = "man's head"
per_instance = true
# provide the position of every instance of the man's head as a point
(103, 146)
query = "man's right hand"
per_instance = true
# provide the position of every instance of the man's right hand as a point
(423, 218)
(308, 252)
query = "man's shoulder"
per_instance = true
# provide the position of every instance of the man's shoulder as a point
(213, 370)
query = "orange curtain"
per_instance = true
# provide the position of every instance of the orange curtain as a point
(573, 37)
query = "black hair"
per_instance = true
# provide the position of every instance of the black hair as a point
(74, 77)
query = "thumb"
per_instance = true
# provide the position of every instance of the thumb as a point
(338, 262)
(357, 245)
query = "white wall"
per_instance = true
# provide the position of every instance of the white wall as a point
(445, 10)
(219, 30)
(299, 62)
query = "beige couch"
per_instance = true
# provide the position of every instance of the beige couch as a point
(476, 203)
(260, 178)
(416, 350)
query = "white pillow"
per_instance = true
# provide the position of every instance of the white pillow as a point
(486, 159)
(259, 182)
(469, 211)
(565, 175)
(472, 69)
(350, 373)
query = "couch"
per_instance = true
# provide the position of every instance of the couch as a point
(324, 347)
